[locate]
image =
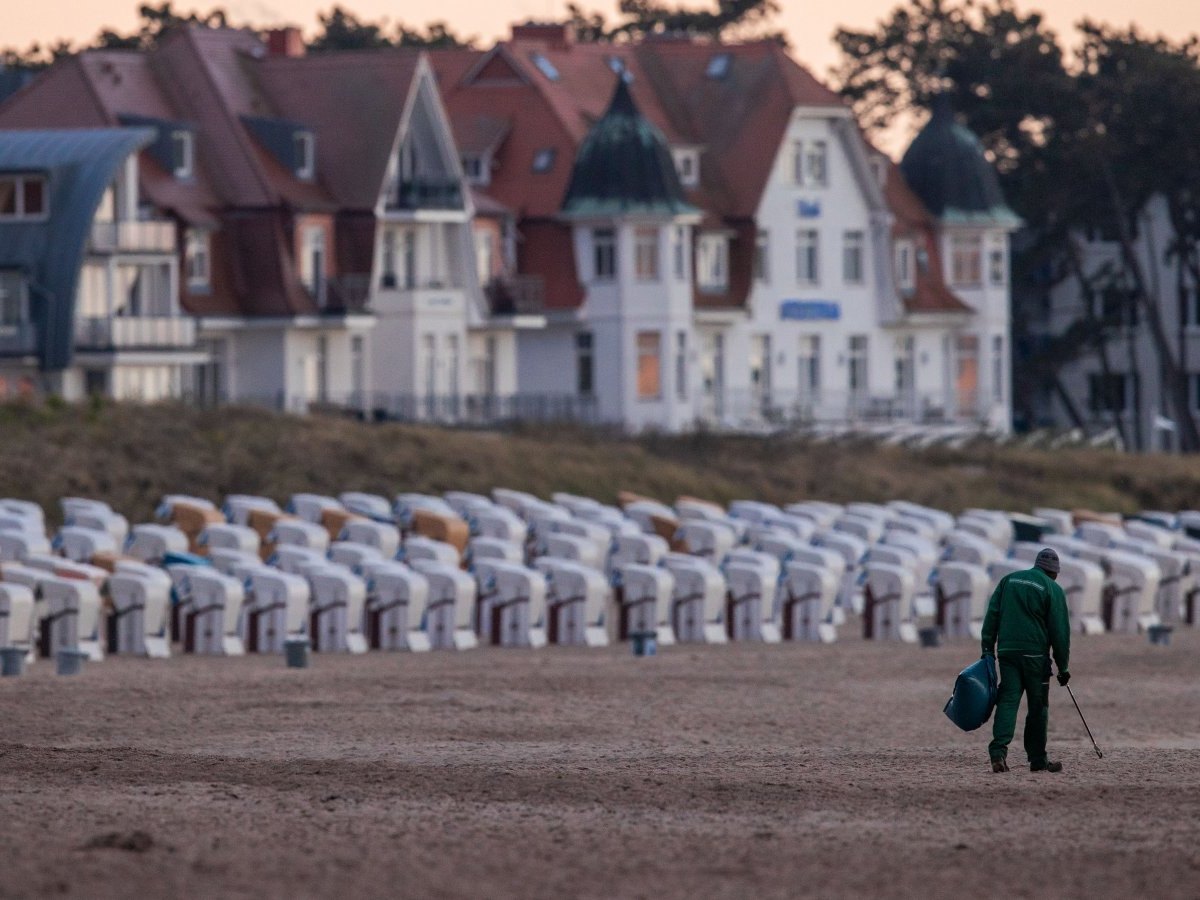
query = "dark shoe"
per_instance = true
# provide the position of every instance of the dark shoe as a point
(1000, 765)
(1047, 767)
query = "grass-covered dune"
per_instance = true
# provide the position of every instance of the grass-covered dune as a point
(131, 455)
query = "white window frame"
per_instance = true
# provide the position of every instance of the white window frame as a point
(605, 262)
(816, 164)
(762, 256)
(712, 263)
(808, 256)
(905, 263)
(966, 261)
(306, 147)
(19, 180)
(197, 259)
(186, 165)
(681, 379)
(808, 365)
(854, 256)
(687, 165)
(314, 246)
(645, 256)
(680, 252)
(648, 345)
(14, 297)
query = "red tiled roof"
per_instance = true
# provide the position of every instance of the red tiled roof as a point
(913, 221)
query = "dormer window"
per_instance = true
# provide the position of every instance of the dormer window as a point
(718, 66)
(905, 271)
(182, 153)
(304, 149)
(474, 169)
(22, 197)
(687, 165)
(545, 66)
(619, 68)
(543, 160)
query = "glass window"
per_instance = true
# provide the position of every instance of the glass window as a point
(762, 263)
(997, 369)
(852, 257)
(312, 262)
(1195, 379)
(680, 253)
(817, 170)
(322, 368)
(965, 263)
(687, 166)
(810, 364)
(22, 197)
(12, 299)
(410, 258)
(358, 366)
(604, 254)
(646, 253)
(485, 250)
(584, 364)
(543, 160)
(196, 260)
(718, 66)
(858, 364)
(681, 387)
(905, 272)
(712, 263)
(389, 260)
(545, 66)
(760, 367)
(905, 369)
(998, 267)
(182, 153)
(429, 346)
(305, 160)
(1110, 393)
(649, 365)
(452, 363)
(473, 168)
(966, 376)
(807, 256)
(798, 162)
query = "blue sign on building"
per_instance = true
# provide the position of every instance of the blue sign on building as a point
(810, 310)
(808, 209)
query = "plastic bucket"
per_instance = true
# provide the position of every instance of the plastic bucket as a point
(69, 661)
(1160, 634)
(645, 643)
(12, 661)
(295, 651)
(930, 637)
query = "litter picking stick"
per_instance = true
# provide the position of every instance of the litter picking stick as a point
(1099, 755)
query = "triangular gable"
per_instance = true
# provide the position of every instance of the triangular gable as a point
(496, 67)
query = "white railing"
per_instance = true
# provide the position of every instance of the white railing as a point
(122, 332)
(153, 236)
(784, 409)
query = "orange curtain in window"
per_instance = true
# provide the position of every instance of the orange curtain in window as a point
(649, 370)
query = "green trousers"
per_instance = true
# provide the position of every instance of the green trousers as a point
(1029, 675)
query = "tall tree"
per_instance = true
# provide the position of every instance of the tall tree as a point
(342, 30)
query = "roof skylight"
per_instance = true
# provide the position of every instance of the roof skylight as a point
(545, 66)
(718, 66)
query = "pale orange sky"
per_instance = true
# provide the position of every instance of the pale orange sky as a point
(810, 26)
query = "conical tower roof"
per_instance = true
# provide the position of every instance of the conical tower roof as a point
(624, 167)
(946, 167)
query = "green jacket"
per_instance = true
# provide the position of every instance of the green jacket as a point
(1028, 614)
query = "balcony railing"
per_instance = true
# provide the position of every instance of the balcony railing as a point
(413, 195)
(18, 340)
(792, 409)
(346, 294)
(135, 332)
(155, 236)
(516, 294)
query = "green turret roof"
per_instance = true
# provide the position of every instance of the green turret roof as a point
(624, 167)
(946, 167)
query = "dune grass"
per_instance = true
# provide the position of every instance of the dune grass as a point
(132, 455)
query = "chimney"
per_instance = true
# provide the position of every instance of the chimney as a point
(555, 35)
(285, 42)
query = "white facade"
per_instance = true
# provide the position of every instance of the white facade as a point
(824, 337)
(1123, 384)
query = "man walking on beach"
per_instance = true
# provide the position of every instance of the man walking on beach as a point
(1026, 618)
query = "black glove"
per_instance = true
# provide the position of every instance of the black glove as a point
(1063, 678)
